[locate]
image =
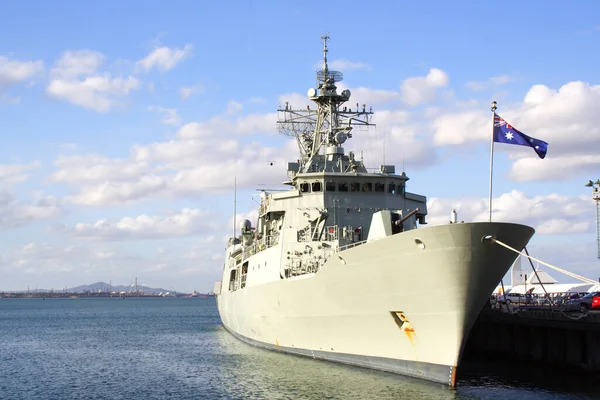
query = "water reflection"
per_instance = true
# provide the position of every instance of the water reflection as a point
(250, 372)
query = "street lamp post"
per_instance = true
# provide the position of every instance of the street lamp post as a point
(596, 196)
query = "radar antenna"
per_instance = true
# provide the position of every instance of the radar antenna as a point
(327, 126)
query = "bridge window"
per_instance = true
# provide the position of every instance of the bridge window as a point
(343, 186)
(367, 187)
(317, 187)
(304, 187)
(392, 188)
(330, 186)
(379, 187)
(355, 186)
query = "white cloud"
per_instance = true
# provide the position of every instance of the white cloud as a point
(346, 65)
(461, 127)
(105, 181)
(187, 222)
(104, 254)
(548, 214)
(173, 169)
(490, 83)
(389, 118)
(368, 96)
(57, 263)
(252, 170)
(182, 266)
(169, 115)
(294, 101)
(12, 173)
(94, 93)
(183, 167)
(114, 193)
(233, 107)
(90, 169)
(73, 64)
(14, 213)
(566, 118)
(75, 78)
(422, 89)
(221, 124)
(13, 71)
(191, 165)
(164, 58)
(4, 98)
(186, 92)
(556, 168)
(69, 146)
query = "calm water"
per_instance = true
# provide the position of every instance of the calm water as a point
(176, 348)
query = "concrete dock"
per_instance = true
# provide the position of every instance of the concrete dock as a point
(570, 341)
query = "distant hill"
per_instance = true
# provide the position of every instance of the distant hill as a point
(105, 287)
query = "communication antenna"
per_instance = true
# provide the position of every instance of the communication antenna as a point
(234, 195)
(403, 170)
(384, 148)
(325, 124)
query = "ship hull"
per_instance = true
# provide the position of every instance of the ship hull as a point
(402, 304)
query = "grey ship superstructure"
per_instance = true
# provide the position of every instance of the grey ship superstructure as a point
(339, 266)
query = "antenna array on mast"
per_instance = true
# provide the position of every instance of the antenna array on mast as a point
(328, 125)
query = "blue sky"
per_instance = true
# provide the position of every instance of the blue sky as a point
(122, 123)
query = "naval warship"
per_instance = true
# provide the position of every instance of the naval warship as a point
(343, 267)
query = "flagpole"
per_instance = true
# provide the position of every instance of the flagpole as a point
(494, 107)
(234, 195)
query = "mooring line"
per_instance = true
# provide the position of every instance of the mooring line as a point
(572, 275)
(553, 305)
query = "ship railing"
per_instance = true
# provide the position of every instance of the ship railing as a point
(258, 246)
(302, 267)
(349, 246)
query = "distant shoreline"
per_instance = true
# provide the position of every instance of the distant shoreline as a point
(74, 295)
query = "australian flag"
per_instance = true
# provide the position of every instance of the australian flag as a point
(505, 133)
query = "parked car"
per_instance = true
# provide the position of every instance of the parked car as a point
(511, 298)
(590, 301)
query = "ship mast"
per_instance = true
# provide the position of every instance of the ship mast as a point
(327, 127)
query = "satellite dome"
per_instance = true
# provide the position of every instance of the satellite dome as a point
(246, 225)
